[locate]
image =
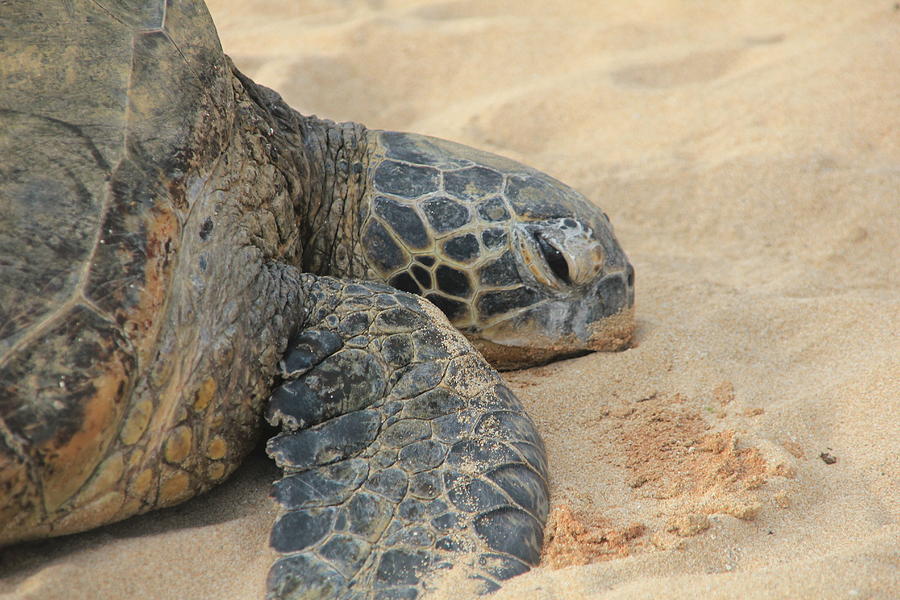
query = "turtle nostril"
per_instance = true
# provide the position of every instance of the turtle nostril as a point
(630, 276)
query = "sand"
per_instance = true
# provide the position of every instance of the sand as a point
(748, 154)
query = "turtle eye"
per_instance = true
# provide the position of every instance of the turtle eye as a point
(554, 258)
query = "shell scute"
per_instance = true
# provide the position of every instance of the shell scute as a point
(64, 394)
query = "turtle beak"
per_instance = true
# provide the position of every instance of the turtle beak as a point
(609, 319)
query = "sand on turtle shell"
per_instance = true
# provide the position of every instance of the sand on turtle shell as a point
(748, 155)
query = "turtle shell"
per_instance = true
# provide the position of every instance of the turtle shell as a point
(106, 112)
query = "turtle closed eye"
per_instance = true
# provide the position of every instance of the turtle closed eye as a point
(554, 258)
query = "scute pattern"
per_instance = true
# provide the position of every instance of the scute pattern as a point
(75, 373)
(48, 223)
(404, 221)
(508, 249)
(451, 216)
(463, 248)
(445, 214)
(382, 249)
(439, 461)
(120, 138)
(122, 158)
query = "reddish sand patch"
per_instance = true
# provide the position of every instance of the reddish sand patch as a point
(575, 540)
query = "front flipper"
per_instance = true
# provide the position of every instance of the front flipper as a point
(404, 454)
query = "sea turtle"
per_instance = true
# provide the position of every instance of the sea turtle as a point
(181, 253)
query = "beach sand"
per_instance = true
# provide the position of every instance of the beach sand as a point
(748, 154)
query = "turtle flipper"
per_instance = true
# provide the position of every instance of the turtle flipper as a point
(404, 454)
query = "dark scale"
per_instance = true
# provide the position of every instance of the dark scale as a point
(555, 199)
(472, 183)
(452, 308)
(500, 272)
(493, 210)
(346, 552)
(411, 510)
(300, 529)
(425, 485)
(445, 214)
(504, 530)
(206, 228)
(494, 238)
(493, 303)
(450, 427)
(422, 276)
(402, 567)
(382, 249)
(614, 292)
(405, 222)
(453, 282)
(428, 261)
(405, 283)
(463, 248)
(406, 181)
(419, 150)
(476, 496)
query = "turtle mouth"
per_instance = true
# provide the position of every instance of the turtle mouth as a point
(600, 319)
(510, 358)
(609, 334)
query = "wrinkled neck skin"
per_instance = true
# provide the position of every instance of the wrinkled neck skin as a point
(326, 164)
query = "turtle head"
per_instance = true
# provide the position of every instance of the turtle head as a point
(525, 266)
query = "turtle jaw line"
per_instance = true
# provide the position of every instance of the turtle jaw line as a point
(513, 358)
(555, 329)
(609, 334)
